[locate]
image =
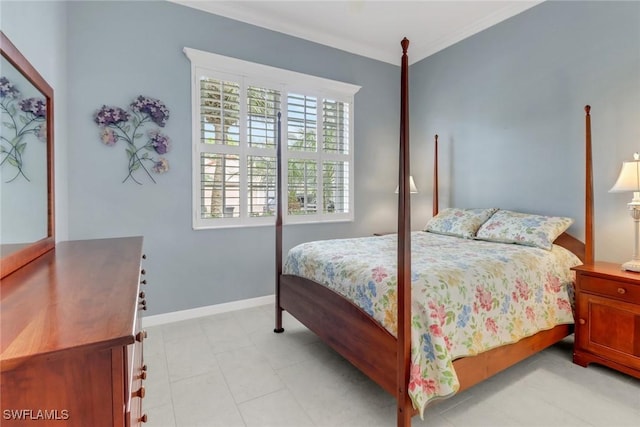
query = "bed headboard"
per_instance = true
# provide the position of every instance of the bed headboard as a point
(584, 251)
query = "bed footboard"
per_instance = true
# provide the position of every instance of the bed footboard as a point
(362, 341)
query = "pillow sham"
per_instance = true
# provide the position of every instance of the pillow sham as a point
(459, 222)
(523, 229)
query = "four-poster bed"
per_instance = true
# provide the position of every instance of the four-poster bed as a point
(356, 335)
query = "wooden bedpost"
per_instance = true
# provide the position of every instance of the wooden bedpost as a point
(278, 328)
(435, 177)
(588, 208)
(404, 406)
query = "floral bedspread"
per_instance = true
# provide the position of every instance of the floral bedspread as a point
(468, 296)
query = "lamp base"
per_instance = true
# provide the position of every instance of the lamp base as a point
(633, 265)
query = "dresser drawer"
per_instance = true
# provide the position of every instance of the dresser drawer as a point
(619, 290)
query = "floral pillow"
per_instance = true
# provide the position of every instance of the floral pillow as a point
(459, 222)
(524, 229)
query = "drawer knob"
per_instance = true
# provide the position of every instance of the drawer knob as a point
(582, 321)
(142, 294)
(143, 375)
(144, 256)
(140, 393)
(143, 418)
(144, 282)
(143, 272)
(141, 335)
(144, 367)
(143, 303)
(622, 291)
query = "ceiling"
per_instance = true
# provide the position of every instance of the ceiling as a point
(371, 28)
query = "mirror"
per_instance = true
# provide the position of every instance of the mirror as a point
(26, 161)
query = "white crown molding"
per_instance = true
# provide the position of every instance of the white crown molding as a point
(238, 12)
(390, 53)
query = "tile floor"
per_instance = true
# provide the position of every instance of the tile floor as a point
(231, 370)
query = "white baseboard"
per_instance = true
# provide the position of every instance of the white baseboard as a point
(176, 316)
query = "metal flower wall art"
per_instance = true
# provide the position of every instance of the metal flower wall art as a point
(20, 118)
(145, 150)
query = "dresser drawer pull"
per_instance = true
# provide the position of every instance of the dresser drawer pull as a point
(142, 294)
(143, 304)
(144, 282)
(144, 368)
(582, 321)
(143, 418)
(622, 291)
(141, 336)
(140, 393)
(144, 256)
(143, 375)
(143, 272)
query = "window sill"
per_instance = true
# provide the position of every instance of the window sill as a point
(270, 224)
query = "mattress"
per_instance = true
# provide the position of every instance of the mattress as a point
(468, 296)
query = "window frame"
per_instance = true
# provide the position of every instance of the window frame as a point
(210, 65)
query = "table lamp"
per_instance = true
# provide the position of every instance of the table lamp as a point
(629, 180)
(412, 186)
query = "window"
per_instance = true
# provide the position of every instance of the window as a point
(235, 124)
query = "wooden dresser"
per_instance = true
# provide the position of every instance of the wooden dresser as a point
(607, 317)
(71, 351)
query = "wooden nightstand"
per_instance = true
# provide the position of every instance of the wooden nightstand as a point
(607, 317)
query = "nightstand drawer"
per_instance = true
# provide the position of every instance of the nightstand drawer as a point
(622, 291)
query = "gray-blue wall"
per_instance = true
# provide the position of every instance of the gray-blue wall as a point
(118, 50)
(508, 106)
(507, 103)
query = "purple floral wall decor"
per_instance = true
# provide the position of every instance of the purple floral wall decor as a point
(117, 124)
(20, 117)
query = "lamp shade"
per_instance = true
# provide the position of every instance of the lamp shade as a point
(412, 186)
(629, 178)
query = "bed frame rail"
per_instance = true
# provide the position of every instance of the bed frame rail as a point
(344, 327)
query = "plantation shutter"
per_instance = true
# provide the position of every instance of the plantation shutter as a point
(237, 162)
(235, 108)
(312, 170)
(263, 105)
(336, 146)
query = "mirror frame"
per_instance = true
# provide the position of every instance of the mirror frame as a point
(30, 251)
